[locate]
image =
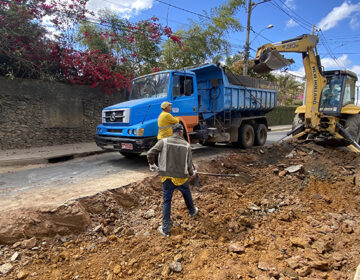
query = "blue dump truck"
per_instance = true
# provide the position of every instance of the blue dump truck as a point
(213, 105)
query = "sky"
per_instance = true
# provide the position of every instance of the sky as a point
(338, 20)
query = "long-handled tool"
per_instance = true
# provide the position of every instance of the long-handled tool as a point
(244, 177)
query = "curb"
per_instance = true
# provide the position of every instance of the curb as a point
(48, 159)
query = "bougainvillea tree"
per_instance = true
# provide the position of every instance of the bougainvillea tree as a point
(28, 50)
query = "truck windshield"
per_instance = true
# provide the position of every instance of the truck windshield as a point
(150, 86)
(331, 94)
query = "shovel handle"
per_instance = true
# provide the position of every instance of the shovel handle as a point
(218, 175)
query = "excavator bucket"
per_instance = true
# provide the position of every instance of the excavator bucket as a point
(270, 60)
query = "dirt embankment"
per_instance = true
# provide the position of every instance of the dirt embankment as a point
(296, 218)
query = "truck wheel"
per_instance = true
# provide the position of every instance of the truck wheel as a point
(260, 134)
(352, 125)
(129, 154)
(246, 136)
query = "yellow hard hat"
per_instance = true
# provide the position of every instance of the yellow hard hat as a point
(165, 104)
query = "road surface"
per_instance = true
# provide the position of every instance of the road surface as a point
(54, 184)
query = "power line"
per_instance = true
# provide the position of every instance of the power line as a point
(306, 25)
(297, 15)
(182, 9)
(327, 47)
(276, 5)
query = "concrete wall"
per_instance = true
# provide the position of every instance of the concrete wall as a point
(36, 113)
(282, 115)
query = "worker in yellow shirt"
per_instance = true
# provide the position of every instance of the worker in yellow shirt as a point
(166, 121)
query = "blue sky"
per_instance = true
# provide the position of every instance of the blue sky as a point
(339, 21)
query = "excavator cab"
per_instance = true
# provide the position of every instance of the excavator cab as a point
(339, 91)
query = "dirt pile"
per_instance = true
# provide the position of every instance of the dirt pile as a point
(296, 218)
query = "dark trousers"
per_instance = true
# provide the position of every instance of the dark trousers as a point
(168, 190)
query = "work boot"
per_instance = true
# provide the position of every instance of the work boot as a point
(196, 211)
(160, 230)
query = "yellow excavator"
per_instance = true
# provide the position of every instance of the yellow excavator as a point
(329, 115)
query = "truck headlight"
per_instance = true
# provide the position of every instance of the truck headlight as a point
(129, 131)
(134, 131)
(140, 132)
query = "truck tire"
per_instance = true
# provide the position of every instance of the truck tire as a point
(246, 136)
(260, 134)
(352, 125)
(129, 154)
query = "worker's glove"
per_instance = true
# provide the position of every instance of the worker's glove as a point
(153, 167)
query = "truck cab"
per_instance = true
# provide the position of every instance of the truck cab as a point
(131, 127)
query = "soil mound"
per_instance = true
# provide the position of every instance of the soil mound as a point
(292, 214)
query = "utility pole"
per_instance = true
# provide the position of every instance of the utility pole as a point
(247, 44)
(251, 6)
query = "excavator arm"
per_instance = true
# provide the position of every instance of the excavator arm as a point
(268, 58)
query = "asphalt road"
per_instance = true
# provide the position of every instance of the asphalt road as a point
(71, 173)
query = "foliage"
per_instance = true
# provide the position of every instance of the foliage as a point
(204, 41)
(27, 52)
(116, 49)
(236, 63)
(289, 89)
(136, 47)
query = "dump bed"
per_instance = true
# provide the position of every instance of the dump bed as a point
(236, 93)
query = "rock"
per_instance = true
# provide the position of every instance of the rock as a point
(275, 170)
(304, 271)
(165, 272)
(112, 238)
(6, 268)
(117, 269)
(295, 262)
(63, 239)
(98, 228)
(291, 155)
(236, 247)
(322, 246)
(254, 207)
(294, 168)
(17, 244)
(91, 246)
(22, 274)
(149, 214)
(110, 277)
(178, 257)
(129, 232)
(64, 256)
(298, 242)
(176, 267)
(117, 230)
(14, 256)
(320, 265)
(282, 173)
(263, 266)
(29, 243)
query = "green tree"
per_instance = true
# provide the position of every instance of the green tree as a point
(204, 41)
(289, 89)
(235, 64)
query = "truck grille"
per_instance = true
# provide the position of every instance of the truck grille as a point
(116, 116)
